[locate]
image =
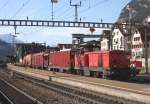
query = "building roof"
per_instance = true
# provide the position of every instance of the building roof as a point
(124, 29)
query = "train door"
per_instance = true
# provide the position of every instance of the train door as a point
(46, 60)
(72, 61)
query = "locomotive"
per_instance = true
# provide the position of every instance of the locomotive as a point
(113, 64)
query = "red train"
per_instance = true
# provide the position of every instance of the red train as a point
(112, 64)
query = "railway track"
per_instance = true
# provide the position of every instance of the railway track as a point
(83, 95)
(4, 99)
(78, 94)
(12, 95)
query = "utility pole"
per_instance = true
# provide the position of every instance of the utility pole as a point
(146, 50)
(15, 28)
(13, 42)
(14, 36)
(76, 9)
(52, 11)
(53, 1)
(130, 22)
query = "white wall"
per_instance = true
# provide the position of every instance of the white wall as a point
(118, 40)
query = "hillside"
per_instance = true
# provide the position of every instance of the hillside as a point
(5, 50)
(139, 10)
(8, 38)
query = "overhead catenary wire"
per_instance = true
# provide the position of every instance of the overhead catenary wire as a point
(60, 8)
(19, 10)
(95, 5)
(68, 11)
(4, 5)
(64, 12)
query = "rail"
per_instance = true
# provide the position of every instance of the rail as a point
(14, 94)
(89, 97)
(5, 99)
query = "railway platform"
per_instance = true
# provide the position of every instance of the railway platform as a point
(128, 91)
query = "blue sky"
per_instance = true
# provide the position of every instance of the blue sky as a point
(91, 11)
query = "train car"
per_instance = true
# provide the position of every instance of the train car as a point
(112, 64)
(27, 60)
(105, 64)
(46, 60)
(38, 60)
(61, 60)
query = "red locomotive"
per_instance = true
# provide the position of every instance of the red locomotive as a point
(112, 64)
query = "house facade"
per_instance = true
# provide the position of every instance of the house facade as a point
(137, 46)
(138, 43)
(121, 39)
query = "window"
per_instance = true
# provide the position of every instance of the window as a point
(114, 40)
(137, 46)
(136, 38)
(117, 33)
(114, 47)
(117, 40)
(121, 40)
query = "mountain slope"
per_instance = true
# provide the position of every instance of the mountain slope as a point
(139, 10)
(9, 38)
(5, 50)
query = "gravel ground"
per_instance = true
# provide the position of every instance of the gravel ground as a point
(42, 94)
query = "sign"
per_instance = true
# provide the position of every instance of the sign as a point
(54, 1)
